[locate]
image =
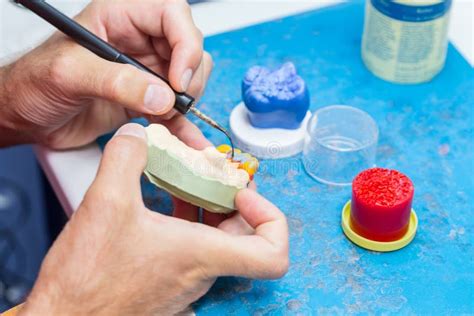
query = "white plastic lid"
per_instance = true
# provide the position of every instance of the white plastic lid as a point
(265, 143)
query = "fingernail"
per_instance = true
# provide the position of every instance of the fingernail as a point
(186, 79)
(132, 129)
(157, 98)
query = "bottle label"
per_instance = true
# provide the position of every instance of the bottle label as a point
(405, 43)
(412, 13)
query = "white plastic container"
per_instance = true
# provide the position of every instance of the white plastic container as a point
(405, 41)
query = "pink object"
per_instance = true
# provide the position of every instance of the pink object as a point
(381, 204)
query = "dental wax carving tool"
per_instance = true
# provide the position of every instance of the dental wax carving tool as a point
(184, 103)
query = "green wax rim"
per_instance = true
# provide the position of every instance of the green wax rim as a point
(167, 172)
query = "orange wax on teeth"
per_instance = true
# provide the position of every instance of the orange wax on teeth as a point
(250, 166)
(224, 148)
(243, 161)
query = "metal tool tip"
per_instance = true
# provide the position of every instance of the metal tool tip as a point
(214, 124)
(231, 144)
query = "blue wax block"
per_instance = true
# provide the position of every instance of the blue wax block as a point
(275, 99)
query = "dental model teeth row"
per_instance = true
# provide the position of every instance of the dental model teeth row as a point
(206, 178)
(243, 160)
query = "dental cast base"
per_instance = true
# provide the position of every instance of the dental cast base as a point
(275, 99)
(207, 178)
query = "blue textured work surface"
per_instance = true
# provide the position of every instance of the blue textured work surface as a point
(24, 239)
(426, 131)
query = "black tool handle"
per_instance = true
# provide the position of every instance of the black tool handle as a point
(96, 45)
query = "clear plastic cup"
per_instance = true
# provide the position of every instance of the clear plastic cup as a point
(340, 142)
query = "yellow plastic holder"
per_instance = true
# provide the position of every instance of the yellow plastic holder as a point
(380, 246)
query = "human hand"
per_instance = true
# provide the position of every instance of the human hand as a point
(117, 257)
(62, 95)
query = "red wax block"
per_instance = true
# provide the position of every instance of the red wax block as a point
(381, 204)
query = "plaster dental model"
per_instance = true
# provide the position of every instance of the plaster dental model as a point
(207, 178)
(271, 120)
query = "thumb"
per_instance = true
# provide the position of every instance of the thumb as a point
(123, 161)
(135, 89)
(263, 255)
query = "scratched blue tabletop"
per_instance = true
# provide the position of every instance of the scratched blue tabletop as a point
(426, 131)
